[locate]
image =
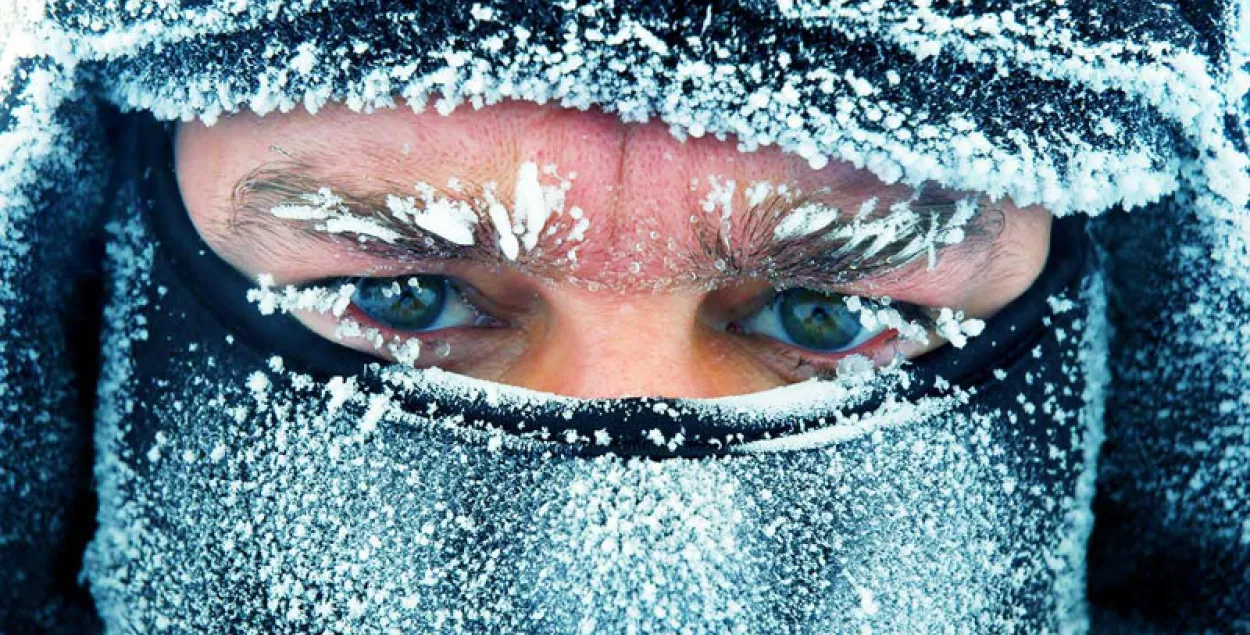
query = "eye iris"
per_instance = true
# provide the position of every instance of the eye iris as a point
(407, 304)
(817, 321)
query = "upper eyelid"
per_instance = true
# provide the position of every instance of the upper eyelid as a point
(469, 293)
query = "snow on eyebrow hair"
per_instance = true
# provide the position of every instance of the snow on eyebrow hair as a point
(768, 238)
(455, 220)
(802, 238)
(451, 220)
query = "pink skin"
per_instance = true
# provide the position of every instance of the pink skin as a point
(609, 332)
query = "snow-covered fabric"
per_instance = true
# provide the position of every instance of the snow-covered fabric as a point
(1084, 106)
(1078, 107)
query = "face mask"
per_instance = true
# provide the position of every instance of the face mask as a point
(255, 477)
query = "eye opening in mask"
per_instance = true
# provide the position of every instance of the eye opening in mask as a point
(218, 290)
(443, 314)
(420, 303)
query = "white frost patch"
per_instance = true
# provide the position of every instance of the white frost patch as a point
(451, 220)
(956, 329)
(534, 205)
(361, 227)
(508, 243)
(305, 58)
(332, 216)
(332, 301)
(720, 196)
(291, 299)
(1060, 304)
(868, 236)
(530, 209)
(806, 219)
(321, 205)
(891, 415)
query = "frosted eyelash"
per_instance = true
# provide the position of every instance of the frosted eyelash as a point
(333, 300)
(913, 323)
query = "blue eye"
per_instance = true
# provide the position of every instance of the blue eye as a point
(812, 320)
(414, 303)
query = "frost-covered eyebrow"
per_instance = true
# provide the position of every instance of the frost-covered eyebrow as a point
(829, 259)
(748, 246)
(254, 197)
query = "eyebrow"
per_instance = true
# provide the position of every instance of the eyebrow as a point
(747, 247)
(828, 257)
(272, 185)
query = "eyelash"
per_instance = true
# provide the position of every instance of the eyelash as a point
(353, 321)
(453, 305)
(822, 365)
(919, 317)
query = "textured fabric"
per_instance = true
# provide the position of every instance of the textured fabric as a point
(1173, 542)
(1082, 106)
(50, 205)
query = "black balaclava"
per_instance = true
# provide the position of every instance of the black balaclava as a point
(255, 478)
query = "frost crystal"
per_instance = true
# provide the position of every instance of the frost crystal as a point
(452, 221)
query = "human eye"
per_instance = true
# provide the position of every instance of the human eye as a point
(415, 304)
(420, 319)
(806, 332)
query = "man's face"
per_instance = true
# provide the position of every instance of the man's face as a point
(568, 252)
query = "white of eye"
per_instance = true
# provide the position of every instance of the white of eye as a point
(770, 322)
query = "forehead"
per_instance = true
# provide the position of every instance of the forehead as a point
(634, 183)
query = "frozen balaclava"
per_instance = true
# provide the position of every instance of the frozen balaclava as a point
(253, 477)
(260, 477)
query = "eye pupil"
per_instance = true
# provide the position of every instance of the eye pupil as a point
(415, 305)
(817, 321)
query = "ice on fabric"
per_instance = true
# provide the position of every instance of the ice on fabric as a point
(886, 117)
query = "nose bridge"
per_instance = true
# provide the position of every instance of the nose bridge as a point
(627, 177)
(627, 345)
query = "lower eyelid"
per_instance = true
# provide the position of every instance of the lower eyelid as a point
(869, 344)
(792, 357)
(465, 342)
(355, 313)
